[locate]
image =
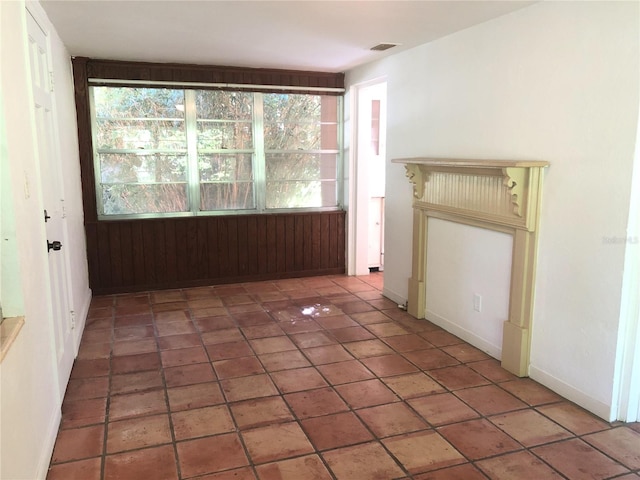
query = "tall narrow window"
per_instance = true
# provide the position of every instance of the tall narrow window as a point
(301, 150)
(162, 151)
(225, 150)
(141, 150)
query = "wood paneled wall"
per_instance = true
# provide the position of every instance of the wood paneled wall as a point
(137, 255)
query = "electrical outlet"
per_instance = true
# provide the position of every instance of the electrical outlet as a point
(477, 302)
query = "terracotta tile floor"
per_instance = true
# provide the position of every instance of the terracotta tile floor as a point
(310, 379)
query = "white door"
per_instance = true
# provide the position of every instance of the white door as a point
(53, 200)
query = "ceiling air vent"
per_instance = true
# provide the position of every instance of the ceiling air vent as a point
(381, 47)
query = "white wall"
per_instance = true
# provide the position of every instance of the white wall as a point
(10, 277)
(30, 411)
(463, 261)
(556, 81)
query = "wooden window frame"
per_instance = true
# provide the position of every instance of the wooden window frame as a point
(88, 71)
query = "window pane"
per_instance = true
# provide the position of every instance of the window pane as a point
(292, 136)
(226, 196)
(129, 102)
(300, 122)
(139, 118)
(226, 181)
(140, 134)
(219, 105)
(225, 167)
(292, 108)
(292, 122)
(132, 168)
(225, 135)
(301, 194)
(153, 198)
(301, 166)
(224, 120)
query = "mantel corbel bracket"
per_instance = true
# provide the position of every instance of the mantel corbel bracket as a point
(417, 176)
(514, 180)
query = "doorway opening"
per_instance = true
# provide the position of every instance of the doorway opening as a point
(367, 179)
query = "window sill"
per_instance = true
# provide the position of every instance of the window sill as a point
(9, 329)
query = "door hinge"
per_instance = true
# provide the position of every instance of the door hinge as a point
(51, 82)
(73, 319)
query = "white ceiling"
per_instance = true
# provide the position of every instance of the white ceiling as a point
(330, 35)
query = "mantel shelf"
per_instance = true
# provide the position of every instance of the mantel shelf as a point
(470, 163)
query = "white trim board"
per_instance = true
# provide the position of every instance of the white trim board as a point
(596, 407)
(81, 319)
(466, 335)
(393, 296)
(46, 453)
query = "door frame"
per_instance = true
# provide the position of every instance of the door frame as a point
(358, 196)
(625, 405)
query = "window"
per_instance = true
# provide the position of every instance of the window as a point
(163, 151)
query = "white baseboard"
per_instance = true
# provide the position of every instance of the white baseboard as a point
(464, 334)
(49, 443)
(393, 296)
(596, 407)
(81, 320)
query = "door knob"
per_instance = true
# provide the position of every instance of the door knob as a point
(55, 245)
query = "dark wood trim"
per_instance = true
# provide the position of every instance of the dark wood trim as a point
(219, 281)
(172, 72)
(83, 115)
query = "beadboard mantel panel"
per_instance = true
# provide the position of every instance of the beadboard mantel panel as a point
(139, 255)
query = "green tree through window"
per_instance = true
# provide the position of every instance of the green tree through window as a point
(180, 151)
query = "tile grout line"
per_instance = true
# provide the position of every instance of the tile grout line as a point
(227, 405)
(103, 457)
(174, 444)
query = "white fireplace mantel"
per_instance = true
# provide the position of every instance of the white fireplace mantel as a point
(500, 195)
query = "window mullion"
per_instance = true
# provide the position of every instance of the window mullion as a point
(97, 165)
(191, 124)
(259, 167)
(340, 172)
